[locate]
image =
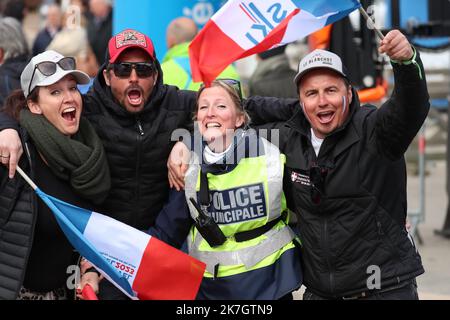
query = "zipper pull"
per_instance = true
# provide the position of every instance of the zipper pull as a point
(139, 125)
(380, 231)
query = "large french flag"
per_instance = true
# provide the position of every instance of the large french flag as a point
(140, 265)
(245, 27)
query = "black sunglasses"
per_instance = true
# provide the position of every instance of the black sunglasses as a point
(48, 68)
(233, 83)
(317, 175)
(124, 69)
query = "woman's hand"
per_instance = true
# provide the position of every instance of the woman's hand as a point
(10, 150)
(178, 164)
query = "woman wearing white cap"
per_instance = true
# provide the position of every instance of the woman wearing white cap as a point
(66, 159)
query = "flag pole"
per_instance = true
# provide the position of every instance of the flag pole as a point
(26, 178)
(371, 23)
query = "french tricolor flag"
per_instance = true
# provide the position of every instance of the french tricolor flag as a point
(245, 27)
(140, 265)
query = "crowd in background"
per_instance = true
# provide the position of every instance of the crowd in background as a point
(82, 28)
(78, 28)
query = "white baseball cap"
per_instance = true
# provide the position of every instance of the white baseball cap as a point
(59, 67)
(319, 59)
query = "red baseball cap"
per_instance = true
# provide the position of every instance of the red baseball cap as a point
(127, 39)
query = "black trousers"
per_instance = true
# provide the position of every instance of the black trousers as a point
(403, 291)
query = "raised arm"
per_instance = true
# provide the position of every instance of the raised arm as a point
(400, 118)
(264, 110)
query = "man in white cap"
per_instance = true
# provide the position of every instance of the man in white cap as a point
(345, 176)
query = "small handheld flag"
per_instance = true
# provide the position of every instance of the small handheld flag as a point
(140, 265)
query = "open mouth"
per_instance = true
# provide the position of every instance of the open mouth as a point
(325, 117)
(69, 114)
(135, 97)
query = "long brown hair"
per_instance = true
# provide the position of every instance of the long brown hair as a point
(16, 101)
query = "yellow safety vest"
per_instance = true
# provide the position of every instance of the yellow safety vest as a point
(243, 199)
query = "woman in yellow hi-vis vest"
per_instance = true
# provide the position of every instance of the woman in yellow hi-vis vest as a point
(233, 210)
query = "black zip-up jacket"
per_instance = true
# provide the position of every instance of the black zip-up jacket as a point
(27, 226)
(358, 224)
(137, 147)
(18, 209)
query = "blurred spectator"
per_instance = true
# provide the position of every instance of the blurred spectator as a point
(176, 66)
(52, 27)
(100, 27)
(33, 21)
(14, 9)
(83, 6)
(273, 75)
(72, 41)
(13, 56)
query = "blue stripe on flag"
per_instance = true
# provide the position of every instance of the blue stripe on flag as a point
(70, 218)
(321, 7)
(79, 217)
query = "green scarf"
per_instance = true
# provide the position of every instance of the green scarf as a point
(79, 159)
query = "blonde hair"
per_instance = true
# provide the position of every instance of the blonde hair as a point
(234, 95)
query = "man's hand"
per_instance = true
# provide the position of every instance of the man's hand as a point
(396, 46)
(10, 150)
(178, 164)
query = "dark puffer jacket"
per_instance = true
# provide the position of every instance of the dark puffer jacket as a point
(137, 147)
(10, 73)
(359, 223)
(18, 206)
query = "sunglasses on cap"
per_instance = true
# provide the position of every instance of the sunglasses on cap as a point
(48, 68)
(124, 69)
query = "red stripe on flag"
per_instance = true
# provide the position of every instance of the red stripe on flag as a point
(212, 50)
(166, 273)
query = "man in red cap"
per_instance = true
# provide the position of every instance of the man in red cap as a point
(127, 51)
(134, 114)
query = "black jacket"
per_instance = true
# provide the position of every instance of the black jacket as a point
(10, 73)
(17, 221)
(137, 147)
(27, 226)
(99, 33)
(360, 219)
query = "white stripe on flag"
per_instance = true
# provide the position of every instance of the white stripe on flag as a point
(248, 22)
(119, 243)
(303, 24)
